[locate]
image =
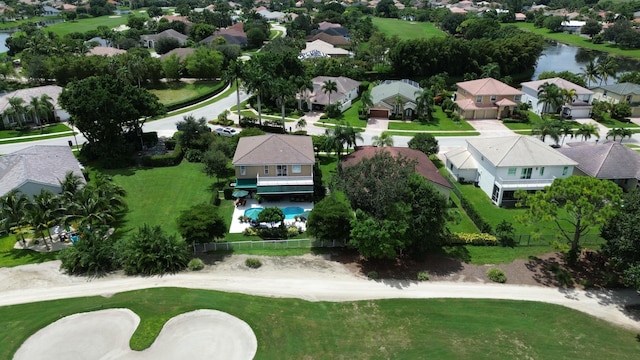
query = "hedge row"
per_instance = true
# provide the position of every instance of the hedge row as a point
(188, 102)
(171, 159)
(482, 239)
(482, 225)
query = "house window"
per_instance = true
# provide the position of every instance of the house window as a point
(243, 170)
(565, 170)
(526, 173)
(296, 169)
(628, 99)
(493, 98)
(542, 171)
(517, 97)
(281, 170)
(478, 99)
(604, 93)
(266, 169)
(512, 172)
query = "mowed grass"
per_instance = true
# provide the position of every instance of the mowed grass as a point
(578, 40)
(52, 129)
(407, 30)
(440, 122)
(156, 196)
(84, 25)
(177, 92)
(381, 329)
(10, 257)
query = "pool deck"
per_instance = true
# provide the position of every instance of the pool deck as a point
(237, 227)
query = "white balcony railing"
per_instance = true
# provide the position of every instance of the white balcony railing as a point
(524, 184)
(284, 180)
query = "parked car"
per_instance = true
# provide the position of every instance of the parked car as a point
(226, 131)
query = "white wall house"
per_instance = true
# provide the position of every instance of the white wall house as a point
(501, 166)
(580, 107)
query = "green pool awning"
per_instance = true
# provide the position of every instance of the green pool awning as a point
(246, 183)
(285, 189)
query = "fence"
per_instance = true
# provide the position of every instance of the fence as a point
(268, 245)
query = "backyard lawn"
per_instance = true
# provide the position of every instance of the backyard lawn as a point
(10, 257)
(397, 328)
(578, 40)
(407, 30)
(350, 117)
(177, 92)
(157, 196)
(47, 130)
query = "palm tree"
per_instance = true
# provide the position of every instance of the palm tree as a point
(40, 107)
(606, 67)
(569, 95)
(588, 130)
(546, 126)
(590, 72)
(334, 140)
(301, 124)
(16, 109)
(42, 214)
(550, 95)
(625, 133)
(69, 186)
(13, 208)
(329, 87)
(236, 72)
(614, 133)
(385, 139)
(565, 130)
(257, 82)
(424, 104)
(349, 135)
(399, 102)
(366, 100)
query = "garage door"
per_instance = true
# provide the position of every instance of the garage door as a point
(379, 114)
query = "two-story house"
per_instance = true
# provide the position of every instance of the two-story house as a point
(486, 98)
(275, 164)
(346, 91)
(501, 166)
(620, 93)
(579, 107)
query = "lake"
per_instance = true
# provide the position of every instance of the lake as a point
(3, 39)
(561, 57)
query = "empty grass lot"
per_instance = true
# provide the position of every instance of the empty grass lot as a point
(385, 329)
(407, 30)
(177, 92)
(578, 40)
(156, 196)
(10, 257)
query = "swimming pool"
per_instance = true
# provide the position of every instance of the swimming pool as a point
(290, 212)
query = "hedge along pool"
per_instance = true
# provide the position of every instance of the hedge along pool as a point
(290, 212)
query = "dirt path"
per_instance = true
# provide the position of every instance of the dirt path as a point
(306, 277)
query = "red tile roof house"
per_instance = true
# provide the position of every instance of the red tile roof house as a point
(486, 98)
(424, 166)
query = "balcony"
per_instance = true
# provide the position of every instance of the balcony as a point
(524, 184)
(284, 180)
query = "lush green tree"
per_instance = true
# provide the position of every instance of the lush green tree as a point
(172, 67)
(550, 95)
(191, 131)
(328, 87)
(200, 31)
(607, 66)
(451, 22)
(631, 77)
(204, 63)
(92, 254)
(330, 219)
(379, 238)
(622, 234)
(154, 11)
(574, 205)
(166, 44)
(424, 142)
(567, 75)
(554, 23)
(201, 224)
(104, 109)
(271, 215)
(620, 111)
(215, 163)
(16, 110)
(382, 140)
(591, 27)
(150, 251)
(424, 104)
(13, 208)
(428, 215)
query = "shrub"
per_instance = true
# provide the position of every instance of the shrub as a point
(482, 239)
(293, 231)
(497, 275)
(564, 278)
(140, 253)
(482, 225)
(164, 160)
(253, 263)
(170, 144)
(250, 231)
(372, 275)
(195, 264)
(228, 193)
(248, 122)
(423, 276)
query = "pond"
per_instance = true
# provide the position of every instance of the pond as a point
(3, 38)
(561, 57)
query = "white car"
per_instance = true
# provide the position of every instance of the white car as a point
(226, 131)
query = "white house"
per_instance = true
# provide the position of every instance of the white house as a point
(579, 108)
(500, 166)
(347, 90)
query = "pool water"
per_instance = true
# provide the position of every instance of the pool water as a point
(290, 212)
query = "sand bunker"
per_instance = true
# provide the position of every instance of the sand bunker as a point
(105, 334)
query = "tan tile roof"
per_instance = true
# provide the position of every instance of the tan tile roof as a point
(274, 149)
(424, 166)
(487, 86)
(105, 51)
(518, 151)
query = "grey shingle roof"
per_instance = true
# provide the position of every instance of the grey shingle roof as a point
(39, 164)
(605, 160)
(274, 149)
(519, 151)
(622, 88)
(390, 88)
(26, 94)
